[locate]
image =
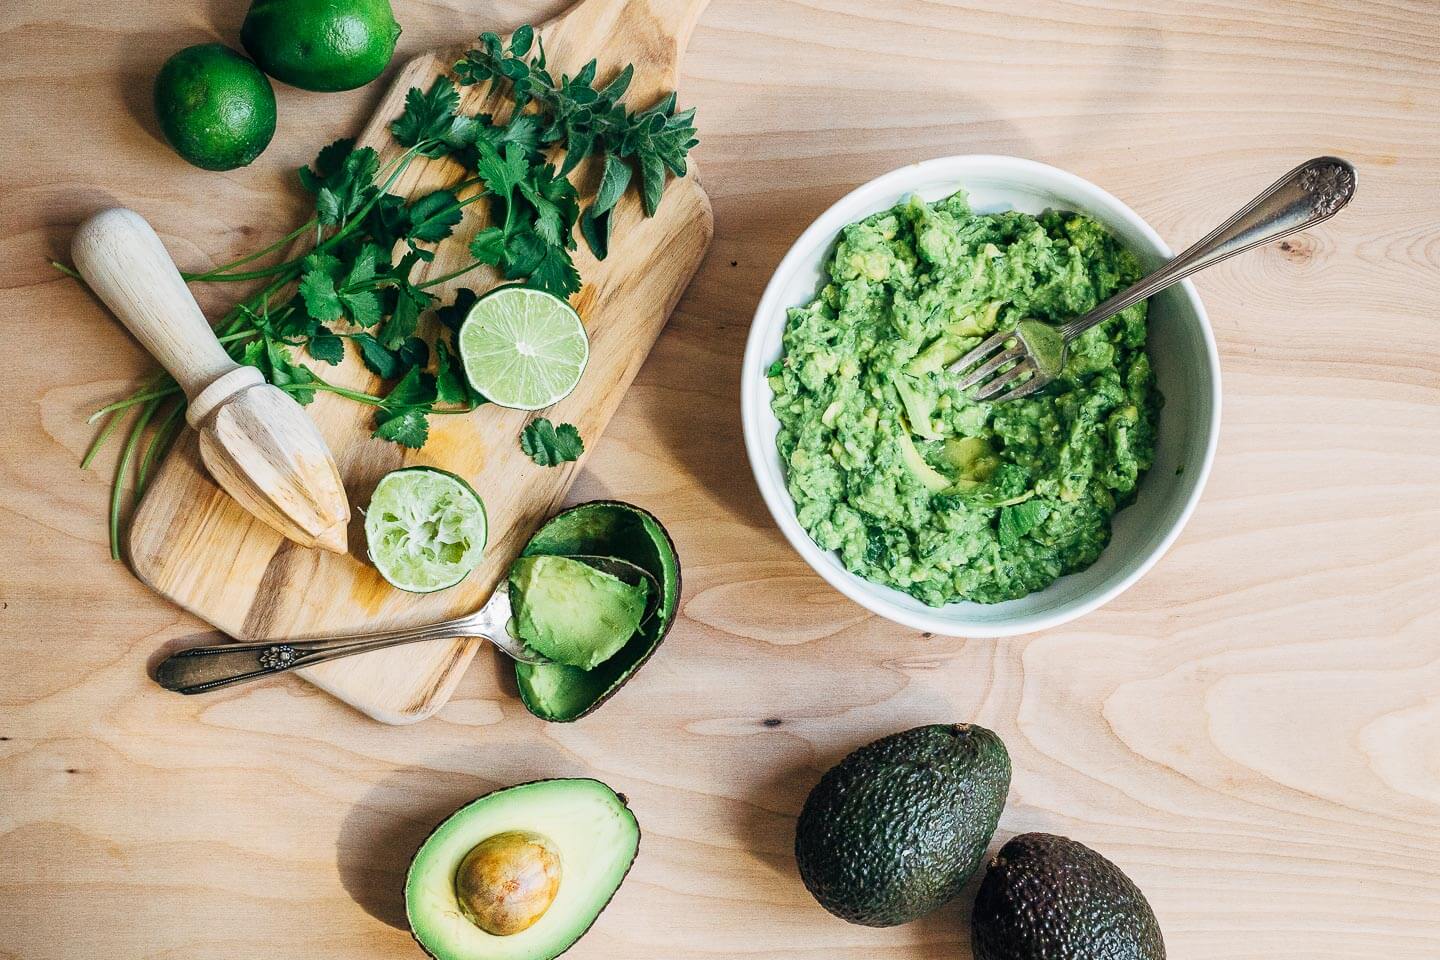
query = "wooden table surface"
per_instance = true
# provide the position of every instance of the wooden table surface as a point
(1252, 732)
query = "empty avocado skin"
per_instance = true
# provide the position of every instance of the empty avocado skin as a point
(895, 829)
(1050, 898)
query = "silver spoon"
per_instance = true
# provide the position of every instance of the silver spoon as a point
(1311, 193)
(201, 669)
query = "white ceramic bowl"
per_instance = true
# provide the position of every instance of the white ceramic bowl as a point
(1182, 351)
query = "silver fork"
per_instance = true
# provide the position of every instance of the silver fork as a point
(1310, 194)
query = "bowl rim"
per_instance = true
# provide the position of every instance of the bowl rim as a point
(821, 232)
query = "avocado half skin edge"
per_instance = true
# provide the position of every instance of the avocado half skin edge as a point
(1047, 896)
(624, 801)
(664, 631)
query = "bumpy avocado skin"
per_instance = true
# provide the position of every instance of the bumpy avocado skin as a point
(1050, 898)
(895, 829)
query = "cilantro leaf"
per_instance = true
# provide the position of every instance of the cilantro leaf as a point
(501, 173)
(326, 347)
(274, 362)
(549, 445)
(342, 180)
(322, 301)
(555, 273)
(433, 217)
(362, 306)
(524, 252)
(428, 118)
(362, 267)
(403, 414)
(381, 362)
(415, 389)
(410, 428)
(410, 302)
(454, 315)
(451, 385)
(488, 246)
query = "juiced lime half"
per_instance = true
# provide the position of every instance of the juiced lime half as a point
(522, 348)
(425, 529)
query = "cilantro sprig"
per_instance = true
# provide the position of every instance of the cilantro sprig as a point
(355, 277)
(549, 445)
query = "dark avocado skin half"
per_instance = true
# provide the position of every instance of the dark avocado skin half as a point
(894, 831)
(1051, 898)
(446, 819)
(607, 528)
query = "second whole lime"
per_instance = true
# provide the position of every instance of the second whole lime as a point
(214, 106)
(321, 44)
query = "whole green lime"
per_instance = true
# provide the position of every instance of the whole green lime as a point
(321, 44)
(214, 106)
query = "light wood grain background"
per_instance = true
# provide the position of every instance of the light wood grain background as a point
(1252, 732)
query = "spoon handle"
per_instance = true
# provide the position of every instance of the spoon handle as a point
(201, 669)
(1310, 194)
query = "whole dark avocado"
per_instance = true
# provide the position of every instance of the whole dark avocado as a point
(895, 829)
(1050, 898)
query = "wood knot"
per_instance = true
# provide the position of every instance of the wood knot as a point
(1298, 249)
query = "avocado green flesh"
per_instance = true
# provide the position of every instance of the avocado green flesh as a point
(894, 830)
(561, 693)
(587, 822)
(867, 407)
(571, 613)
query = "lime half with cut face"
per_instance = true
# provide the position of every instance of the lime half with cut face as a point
(425, 529)
(523, 348)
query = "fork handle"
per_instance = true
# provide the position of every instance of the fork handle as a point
(1310, 194)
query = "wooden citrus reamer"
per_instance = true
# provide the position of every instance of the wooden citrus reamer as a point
(255, 440)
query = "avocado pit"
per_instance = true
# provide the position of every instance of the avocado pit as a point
(506, 882)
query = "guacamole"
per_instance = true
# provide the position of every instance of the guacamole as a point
(913, 483)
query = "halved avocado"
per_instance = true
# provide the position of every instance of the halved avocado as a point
(608, 528)
(584, 821)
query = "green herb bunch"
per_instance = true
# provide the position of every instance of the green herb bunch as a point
(356, 280)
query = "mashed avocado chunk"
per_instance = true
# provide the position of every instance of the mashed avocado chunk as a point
(912, 482)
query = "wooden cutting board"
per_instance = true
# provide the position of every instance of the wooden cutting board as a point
(192, 543)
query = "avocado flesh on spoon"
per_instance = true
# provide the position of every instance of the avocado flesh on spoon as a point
(569, 612)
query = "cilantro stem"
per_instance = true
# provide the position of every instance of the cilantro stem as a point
(99, 442)
(133, 399)
(225, 268)
(317, 384)
(104, 434)
(122, 468)
(159, 441)
(66, 269)
(436, 281)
